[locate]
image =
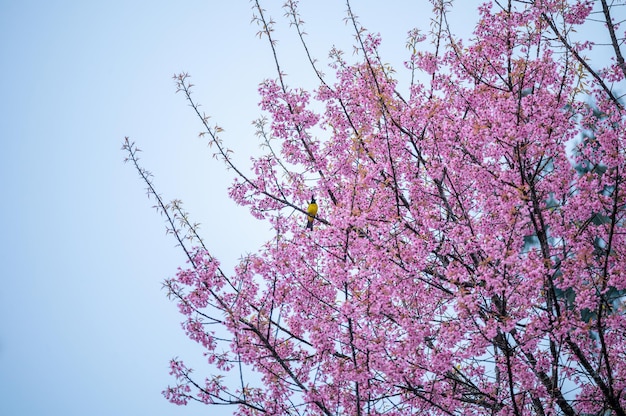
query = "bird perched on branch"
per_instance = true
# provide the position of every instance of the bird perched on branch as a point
(312, 211)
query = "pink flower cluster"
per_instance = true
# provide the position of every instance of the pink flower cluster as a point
(469, 252)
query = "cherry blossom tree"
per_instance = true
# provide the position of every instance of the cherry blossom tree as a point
(469, 252)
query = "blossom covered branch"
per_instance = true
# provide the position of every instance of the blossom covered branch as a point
(469, 256)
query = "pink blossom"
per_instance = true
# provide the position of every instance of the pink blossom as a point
(468, 256)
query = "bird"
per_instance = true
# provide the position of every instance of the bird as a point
(312, 211)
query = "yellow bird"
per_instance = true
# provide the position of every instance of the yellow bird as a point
(312, 211)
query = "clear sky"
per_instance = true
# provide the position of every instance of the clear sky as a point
(85, 328)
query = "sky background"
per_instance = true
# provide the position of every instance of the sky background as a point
(85, 328)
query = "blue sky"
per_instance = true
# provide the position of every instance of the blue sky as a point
(84, 325)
